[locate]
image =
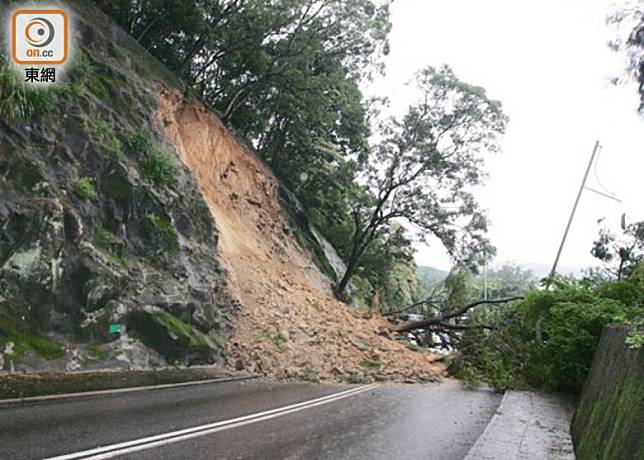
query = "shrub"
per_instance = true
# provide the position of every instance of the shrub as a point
(141, 142)
(106, 137)
(19, 101)
(635, 337)
(163, 227)
(548, 340)
(370, 363)
(84, 188)
(25, 340)
(81, 69)
(159, 167)
(96, 352)
(310, 375)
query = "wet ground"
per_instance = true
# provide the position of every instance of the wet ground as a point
(429, 421)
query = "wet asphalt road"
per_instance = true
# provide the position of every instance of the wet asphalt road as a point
(432, 421)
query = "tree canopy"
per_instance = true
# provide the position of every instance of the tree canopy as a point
(286, 74)
(422, 170)
(629, 19)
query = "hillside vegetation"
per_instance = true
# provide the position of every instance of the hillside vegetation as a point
(126, 201)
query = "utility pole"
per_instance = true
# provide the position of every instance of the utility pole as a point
(574, 208)
(485, 281)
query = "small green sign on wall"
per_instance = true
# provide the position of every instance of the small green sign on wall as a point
(115, 329)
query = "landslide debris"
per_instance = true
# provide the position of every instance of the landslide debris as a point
(289, 324)
(124, 201)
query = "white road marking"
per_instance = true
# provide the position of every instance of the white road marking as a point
(115, 391)
(150, 442)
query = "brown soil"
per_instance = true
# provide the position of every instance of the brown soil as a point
(290, 325)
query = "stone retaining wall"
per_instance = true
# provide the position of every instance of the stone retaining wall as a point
(609, 419)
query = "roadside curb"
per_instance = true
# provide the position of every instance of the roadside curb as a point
(527, 424)
(481, 438)
(87, 394)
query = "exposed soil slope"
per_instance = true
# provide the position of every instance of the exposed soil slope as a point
(289, 325)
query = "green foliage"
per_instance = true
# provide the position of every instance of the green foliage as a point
(508, 280)
(285, 74)
(386, 272)
(278, 341)
(156, 165)
(423, 170)
(96, 352)
(141, 142)
(629, 42)
(621, 254)
(310, 375)
(163, 227)
(84, 188)
(548, 340)
(19, 101)
(104, 239)
(106, 137)
(430, 275)
(25, 340)
(159, 167)
(371, 364)
(635, 337)
(78, 74)
(181, 329)
(111, 245)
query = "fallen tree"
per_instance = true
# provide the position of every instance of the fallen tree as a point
(439, 322)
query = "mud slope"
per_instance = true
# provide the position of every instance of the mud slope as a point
(289, 324)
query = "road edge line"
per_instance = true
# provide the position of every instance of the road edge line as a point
(114, 391)
(148, 442)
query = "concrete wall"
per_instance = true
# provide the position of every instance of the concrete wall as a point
(609, 420)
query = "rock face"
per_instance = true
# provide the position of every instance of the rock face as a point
(137, 231)
(101, 224)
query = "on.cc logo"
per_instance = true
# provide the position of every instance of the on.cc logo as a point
(39, 36)
(40, 32)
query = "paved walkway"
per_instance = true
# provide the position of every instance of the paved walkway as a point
(527, 426)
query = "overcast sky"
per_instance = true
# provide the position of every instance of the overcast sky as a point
(548, 63)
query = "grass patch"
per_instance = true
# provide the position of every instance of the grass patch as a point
(106, 137)
(163, 227)
(181, 329)
(81, 69)
(159, 167)
(19, 101)
(310, 375)
(278, 341)
(141, 141)
(84, 188)
(95, 352)
(109, 244)
(27, 341)
(370, 364)
(355, 378)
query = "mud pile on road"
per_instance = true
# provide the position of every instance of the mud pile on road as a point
(289, 324)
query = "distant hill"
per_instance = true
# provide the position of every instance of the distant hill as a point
(430, 274)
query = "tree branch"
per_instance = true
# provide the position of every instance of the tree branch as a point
(439, 320)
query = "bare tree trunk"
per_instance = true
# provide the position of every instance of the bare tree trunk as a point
(344, 282)
(441, 320)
